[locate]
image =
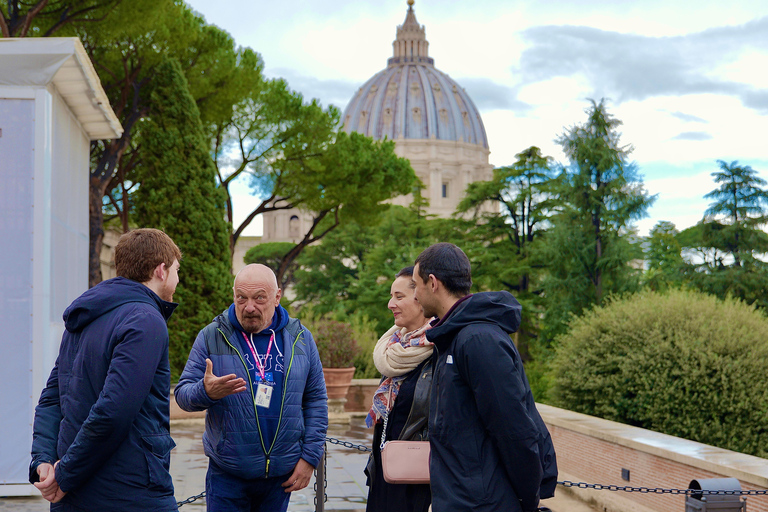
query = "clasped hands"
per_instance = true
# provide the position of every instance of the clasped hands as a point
(48, 486)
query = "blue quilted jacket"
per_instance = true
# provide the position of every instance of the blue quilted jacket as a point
(232, 438)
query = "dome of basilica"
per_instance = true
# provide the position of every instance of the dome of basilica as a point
(430, 118)
(411, 99)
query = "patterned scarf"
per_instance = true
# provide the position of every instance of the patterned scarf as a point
(395, 355)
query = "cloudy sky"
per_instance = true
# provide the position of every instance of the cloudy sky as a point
(689, 78)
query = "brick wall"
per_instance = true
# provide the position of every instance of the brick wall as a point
(593, 450)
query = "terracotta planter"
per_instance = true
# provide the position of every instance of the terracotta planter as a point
(337, 381)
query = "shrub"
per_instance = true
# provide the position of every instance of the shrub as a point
(336, 343)
(682, 363)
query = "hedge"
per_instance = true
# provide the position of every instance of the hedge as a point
(683, 363)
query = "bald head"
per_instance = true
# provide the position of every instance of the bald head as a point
(256, 297)
(256, 272)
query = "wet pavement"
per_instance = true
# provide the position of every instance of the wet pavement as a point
(346, 490)
(346, 487)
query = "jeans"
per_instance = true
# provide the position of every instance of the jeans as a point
(224, 492)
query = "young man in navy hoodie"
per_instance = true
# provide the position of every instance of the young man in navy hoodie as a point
(257, 372)
(101, 437)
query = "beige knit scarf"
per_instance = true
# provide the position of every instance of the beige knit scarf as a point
(396, 353)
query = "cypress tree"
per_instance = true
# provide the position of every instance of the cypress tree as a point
(178, 194)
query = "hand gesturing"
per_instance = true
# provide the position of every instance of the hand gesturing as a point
(219, 387)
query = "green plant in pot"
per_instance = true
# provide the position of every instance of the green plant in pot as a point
(338, 348)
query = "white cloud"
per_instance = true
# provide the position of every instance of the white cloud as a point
(693, 136)
(751, 68)
(669, 68)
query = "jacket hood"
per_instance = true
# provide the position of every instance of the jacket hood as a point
(108, 295)
(499, 308)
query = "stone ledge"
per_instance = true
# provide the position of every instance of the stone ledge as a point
(361, 390)
(746, 468)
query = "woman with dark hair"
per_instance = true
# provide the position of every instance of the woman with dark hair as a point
(400, 408)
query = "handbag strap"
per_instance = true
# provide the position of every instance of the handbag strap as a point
(384, 433)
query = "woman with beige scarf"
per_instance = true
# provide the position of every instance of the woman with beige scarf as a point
(400, 408)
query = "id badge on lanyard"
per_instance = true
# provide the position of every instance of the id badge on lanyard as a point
(264, 390)
(263, 395)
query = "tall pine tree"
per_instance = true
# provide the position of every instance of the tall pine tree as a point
(178, 194)
(510, 233)
(590, 242)
(726, 249)
(743, 201)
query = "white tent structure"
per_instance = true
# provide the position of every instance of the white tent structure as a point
(52, 105)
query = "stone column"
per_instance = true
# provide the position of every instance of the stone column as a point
(435, 184)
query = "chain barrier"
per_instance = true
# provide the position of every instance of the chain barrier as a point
(659, 490)
(565, 483)
(347, 444)
(190, 499)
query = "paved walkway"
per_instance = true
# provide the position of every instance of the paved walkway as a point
(346, 489)
(346, 482)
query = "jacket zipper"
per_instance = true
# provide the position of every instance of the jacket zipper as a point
(253, 399)
(436, 382)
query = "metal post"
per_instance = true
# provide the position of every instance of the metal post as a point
(320, 483)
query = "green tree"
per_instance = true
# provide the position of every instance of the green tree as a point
(271, 137)
(592, 241)
(294, 156)
(351, 272)
(663, 257)
(178, 194)
(48, 17)
(508, 234)
(351, 180)
(709, 266)
(742, 201)
(271, 254)
(126, 55)
(725, 247)
(681, 362)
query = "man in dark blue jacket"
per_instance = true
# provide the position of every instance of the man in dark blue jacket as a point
(258, 374)
(101, 437)
(491, 451)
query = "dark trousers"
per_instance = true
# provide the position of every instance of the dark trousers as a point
(224, 492)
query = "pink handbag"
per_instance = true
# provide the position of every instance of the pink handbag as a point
(405, 462)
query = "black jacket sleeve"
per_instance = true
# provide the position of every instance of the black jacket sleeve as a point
(488, 360)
